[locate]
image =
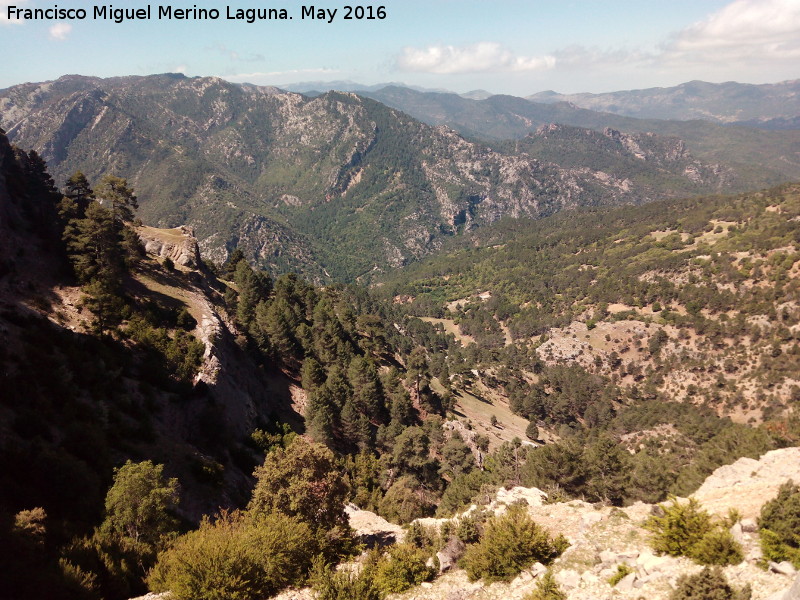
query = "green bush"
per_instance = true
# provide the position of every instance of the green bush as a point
(305, 481)
(775, 550)
(403, 567)
(509, 544)
(547, 589)
(779, 524)
(236, 557)
(330, 584)
(708, 584)
(622, 572)
(717, 547)
(470, 527)
(405, 501)
(685, 529)
(681, 527)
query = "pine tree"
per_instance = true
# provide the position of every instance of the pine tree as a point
(114, 193)
(608, 468)
(94, 246)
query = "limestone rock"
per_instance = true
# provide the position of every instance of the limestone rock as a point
(626, 584)
(784, 568)
(747, 484)
(568, 579)
(749, 525)
(179, 244)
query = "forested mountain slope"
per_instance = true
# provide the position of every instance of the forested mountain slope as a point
(340, 186)
(112, 354)
(762, 158)
(695, 299)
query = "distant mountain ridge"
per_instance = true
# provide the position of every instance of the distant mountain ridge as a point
(730, 102)
(765, 106)
(338, 186)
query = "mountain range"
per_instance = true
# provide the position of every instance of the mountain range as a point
(341, 186)
(770, 106)
(767, 106)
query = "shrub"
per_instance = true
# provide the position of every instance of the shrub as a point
(330, 584)
(687, 530)
(509, 544)
(139, 503)
(681, 527)
(236, 557)
(547, 589)
(775, 550)
(708, 584)
(717, 547)
(405, 501)
(305, 481)
(403, 567)
(623, 571)
(779, 524)
(470, 527)
(420, 536)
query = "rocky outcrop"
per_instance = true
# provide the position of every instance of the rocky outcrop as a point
(179, 244)
(602, 538)
(747, 484)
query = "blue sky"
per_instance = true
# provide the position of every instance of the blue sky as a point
(505, 46)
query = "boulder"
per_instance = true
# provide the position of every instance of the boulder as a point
(784, 568)
(737, 532)
(568, 579)
(538, 569)
(608, 557)
(626, 584)
(649, 563)
(791, 593)
(749, 525)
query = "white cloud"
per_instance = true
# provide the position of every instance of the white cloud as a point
(744, 30)
(179, 69)
(4, 20)
(235, 56)
(476, 58)
(270, 77)
(581, 56)
(60, 31)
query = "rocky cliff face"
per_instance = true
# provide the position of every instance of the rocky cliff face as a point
(335, 186)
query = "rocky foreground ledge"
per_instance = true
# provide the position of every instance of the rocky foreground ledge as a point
(602, 538)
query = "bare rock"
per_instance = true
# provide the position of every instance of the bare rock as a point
(568, 579)
(538, 569)
(374, 529)
(179, 244)
(626, 584)
(747, 484)
(649, 563)
(749, 525)
(784, 568)
(607, 557)
(790, 593)
(737, 532)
